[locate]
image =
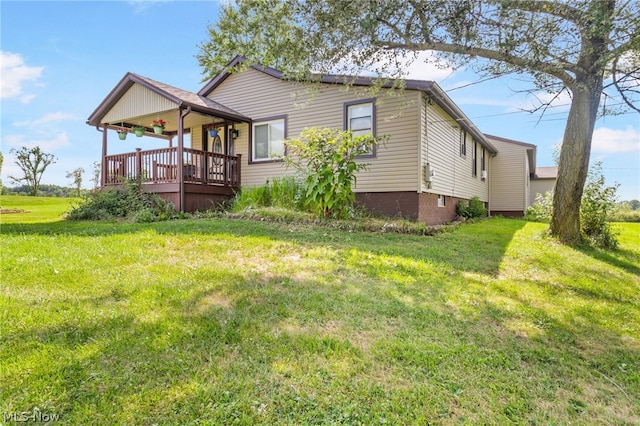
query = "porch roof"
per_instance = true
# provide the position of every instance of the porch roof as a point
(174, 97)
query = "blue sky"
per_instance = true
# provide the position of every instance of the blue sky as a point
(61, 59)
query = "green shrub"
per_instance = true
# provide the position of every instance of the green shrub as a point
(540, 210)
(597, 207)
(129, 202)
(326, 159)
(598, 202)
(473, 209)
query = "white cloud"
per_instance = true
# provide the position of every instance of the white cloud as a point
(613, 141)
(14, 72)
(427, 67)
(45, 119)
(421, 65)
(17, 141)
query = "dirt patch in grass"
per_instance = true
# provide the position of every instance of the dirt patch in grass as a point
(13, 211)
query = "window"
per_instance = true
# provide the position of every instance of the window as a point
(268, 140)
(359, 117)
(474, 160)
(463, 143)
(441, 201)
(483, 164)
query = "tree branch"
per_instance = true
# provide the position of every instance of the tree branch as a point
(541, 66)
(554, 8)
(620, 90)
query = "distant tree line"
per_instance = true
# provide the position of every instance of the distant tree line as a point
(44, 191)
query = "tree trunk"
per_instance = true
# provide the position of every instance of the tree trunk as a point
(574, 161)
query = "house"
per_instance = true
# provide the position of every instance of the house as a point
(235, 128)
(542, 182)
(516, 180)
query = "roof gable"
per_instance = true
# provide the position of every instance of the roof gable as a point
(151, 96)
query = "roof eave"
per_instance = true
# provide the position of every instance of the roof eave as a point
(445, 102)
(429, 87)
(217, 113)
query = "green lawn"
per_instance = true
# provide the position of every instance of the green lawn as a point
(246, 322)
(34, 209)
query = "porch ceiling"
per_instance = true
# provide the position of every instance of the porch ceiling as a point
(138, 100)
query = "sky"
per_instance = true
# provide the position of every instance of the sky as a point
(59, 60)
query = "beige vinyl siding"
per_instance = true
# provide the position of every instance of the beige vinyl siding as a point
(540, 186)
(196, 137)
(441, 149)
(509, 177)
(260, 96)
(136, 102)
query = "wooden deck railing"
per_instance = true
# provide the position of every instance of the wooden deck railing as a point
(161, 166)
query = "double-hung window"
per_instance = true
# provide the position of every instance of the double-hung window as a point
(359, 117)
(474, 164)
(268, 140)
(463, 143)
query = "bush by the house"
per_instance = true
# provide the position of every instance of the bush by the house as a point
(130, 202)
(326, 160)
(598, 202)
(473, 209)
(540, 210)
(597, 208)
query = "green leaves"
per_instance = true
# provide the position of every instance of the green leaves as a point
(327, 160)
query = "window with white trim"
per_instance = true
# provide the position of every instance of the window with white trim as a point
(359, 118)
(268, 140)
(441, 201)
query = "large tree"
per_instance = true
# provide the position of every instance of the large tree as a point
(33, 162)
(574, 45)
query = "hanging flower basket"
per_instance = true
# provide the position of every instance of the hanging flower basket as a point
(158, 126)
(213, 133)
(122, 134)
(139, 131)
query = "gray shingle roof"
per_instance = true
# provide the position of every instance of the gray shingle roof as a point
(180, 97)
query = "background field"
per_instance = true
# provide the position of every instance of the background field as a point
(247, 322)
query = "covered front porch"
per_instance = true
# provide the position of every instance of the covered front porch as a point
(195, 167)
(207, 177)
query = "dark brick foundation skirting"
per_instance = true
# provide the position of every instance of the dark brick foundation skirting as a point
(410, 205)
(431, 214)
(401, 204)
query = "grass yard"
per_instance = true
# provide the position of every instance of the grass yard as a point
(246, 322)
(24, 209)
